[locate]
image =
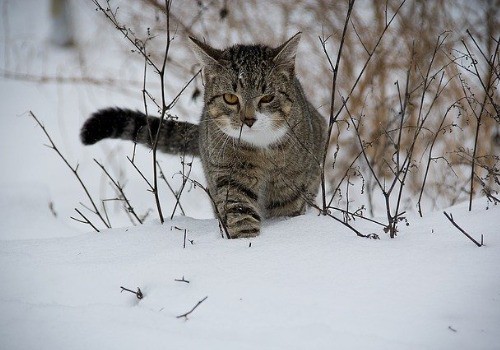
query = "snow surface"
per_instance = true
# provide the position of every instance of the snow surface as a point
(305, 283)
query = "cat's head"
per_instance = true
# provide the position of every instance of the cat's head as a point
(249, 89)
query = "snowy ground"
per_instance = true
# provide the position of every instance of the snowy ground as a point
(305, 283)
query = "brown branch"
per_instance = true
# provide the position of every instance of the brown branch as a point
(85, 221)
(141, 47)
(127, 33)
(186, 28)
(181, 91)
(430, 157)
(181, 280)
(450, 217)
(174, 193)
(74, 170)
(355, 215)
(140, 173)
(164, 109)
(119, 187)
(333, 118)
(359, 234)
(185, 315)
(486, 87)
(138, 294)
(222, 222)
(184, 181)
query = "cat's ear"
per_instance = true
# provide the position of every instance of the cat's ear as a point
(206, 54)
(286, 52)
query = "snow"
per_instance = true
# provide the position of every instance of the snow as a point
(305, 283)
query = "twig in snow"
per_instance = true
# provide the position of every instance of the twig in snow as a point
(185, 315)
(138, 294)
(128, 207)
(359, 234)
(185, 178)
(74, 170)
(222, 222)
(450, 217)
(176, 195)
(335, 68)
(181, 280)
(85, 220)
(185, 234)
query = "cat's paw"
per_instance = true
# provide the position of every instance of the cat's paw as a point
(241, 219)
(242, 225)
(248, 233)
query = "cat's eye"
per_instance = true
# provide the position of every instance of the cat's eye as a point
(266, 99)
(230, 99)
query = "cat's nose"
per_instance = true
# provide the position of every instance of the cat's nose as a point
(249, 121)
(247, 114)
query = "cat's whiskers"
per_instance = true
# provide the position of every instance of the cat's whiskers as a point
(220, 145)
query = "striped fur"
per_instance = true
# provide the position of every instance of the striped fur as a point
(176, 137)
(259, 139)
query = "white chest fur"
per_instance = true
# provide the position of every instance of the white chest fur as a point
(263, 132)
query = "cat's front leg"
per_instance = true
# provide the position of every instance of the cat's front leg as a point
(237, 204)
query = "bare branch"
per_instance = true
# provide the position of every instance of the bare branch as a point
(181, 280)
(74, 170)
(138, 294)
(85, 220)
(185, 315)
(128, 206)
(450, 217)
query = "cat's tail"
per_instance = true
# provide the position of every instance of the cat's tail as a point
(175, 137)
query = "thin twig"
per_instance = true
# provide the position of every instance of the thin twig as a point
(141, 48)
(450, 217)
(333, 118)
(346, 212)
(430, 158)
(119, 187)
(185, 315)
(181, 280)
(140, 173)
(359, 234)
(486, 87)
(222, 222)
(164, 109)
(176, 195)
(85, 221)
(184, 181)
(74, 170)
(138, 294)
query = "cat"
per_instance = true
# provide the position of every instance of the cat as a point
(259, 139)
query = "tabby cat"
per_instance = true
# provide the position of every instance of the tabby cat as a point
(259, 138)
